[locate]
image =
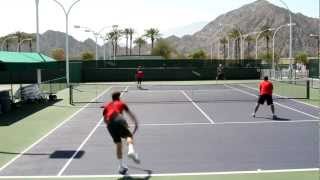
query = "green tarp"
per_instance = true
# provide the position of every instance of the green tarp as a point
(23, 57)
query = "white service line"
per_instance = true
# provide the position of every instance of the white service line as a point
(195, 105)
(164, 174)
(269, 122)
(50, 132)
(314, 106)
(84, 142)
(229, 123)
(170, 124)
(281, 105)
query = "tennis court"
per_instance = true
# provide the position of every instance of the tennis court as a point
(184, 130)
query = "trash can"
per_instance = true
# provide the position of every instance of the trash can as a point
(5, 101)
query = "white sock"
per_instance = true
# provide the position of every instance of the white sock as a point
(130, 149)
(121, 163)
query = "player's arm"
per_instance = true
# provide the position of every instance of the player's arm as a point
(132, 117)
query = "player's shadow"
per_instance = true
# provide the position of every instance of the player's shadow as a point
(274, 119)
(146, 177)
(143, 89)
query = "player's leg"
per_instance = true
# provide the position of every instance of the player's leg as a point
(270, 103)
(114, 132)
(260, 101)
(125, 133)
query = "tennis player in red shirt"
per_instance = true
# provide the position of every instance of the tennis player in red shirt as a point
(118, 128)
(139, 76)
(266, 89)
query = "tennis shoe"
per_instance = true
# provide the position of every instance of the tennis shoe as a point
(134, 157)
(253, 115)
(123, 170)
(274, 117)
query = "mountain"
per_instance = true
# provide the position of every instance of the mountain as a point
(185, 30)
(250, 18)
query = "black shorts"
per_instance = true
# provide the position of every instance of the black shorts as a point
(139, 80)
(118, 128)
(266, 97)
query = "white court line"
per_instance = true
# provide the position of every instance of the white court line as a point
(164, 174)
(84, 142)
(317, 107)
(281, 105)
(170, 124)
(79, 148)
(50, 132)
(228, 123)
(195, 105)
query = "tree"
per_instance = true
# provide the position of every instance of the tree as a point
(266, 35)
(301, 57)
(87, 56)
(58, 54)
(131, 32)
(235, 35)
(153, 34)
(248, 39)
(115, 36)
(162, 48)
(224, 41)
(140, 42)
(199, 54)
(20, 37)
(126, 33)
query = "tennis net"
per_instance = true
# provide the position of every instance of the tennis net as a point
(53, 86)
(183, 92)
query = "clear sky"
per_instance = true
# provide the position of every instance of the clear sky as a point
(19, 15)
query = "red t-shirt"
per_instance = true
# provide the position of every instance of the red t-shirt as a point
(112, 109)
(266, 87)
(139, 74)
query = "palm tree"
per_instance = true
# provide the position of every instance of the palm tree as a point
(131, 32)
(234, 34)
(224, 41)
(115, 36)
(20, 37)
(110, 36)
(266, 35)
(126, 32)
(139, 42)
(153, 34)
(248, 39)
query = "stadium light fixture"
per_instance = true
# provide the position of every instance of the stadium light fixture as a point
(67, 12)
(257, 38)
(3, 42)
(273, 43)
(22, 41)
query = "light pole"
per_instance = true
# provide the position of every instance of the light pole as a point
(96, 35)
(21, 42)
(257, 39)
(290, 16)
(273, 43)
(10, 37)
(67, 35)
(37, 22)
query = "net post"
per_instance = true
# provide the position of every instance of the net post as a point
(71, 94)
(308, 89)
